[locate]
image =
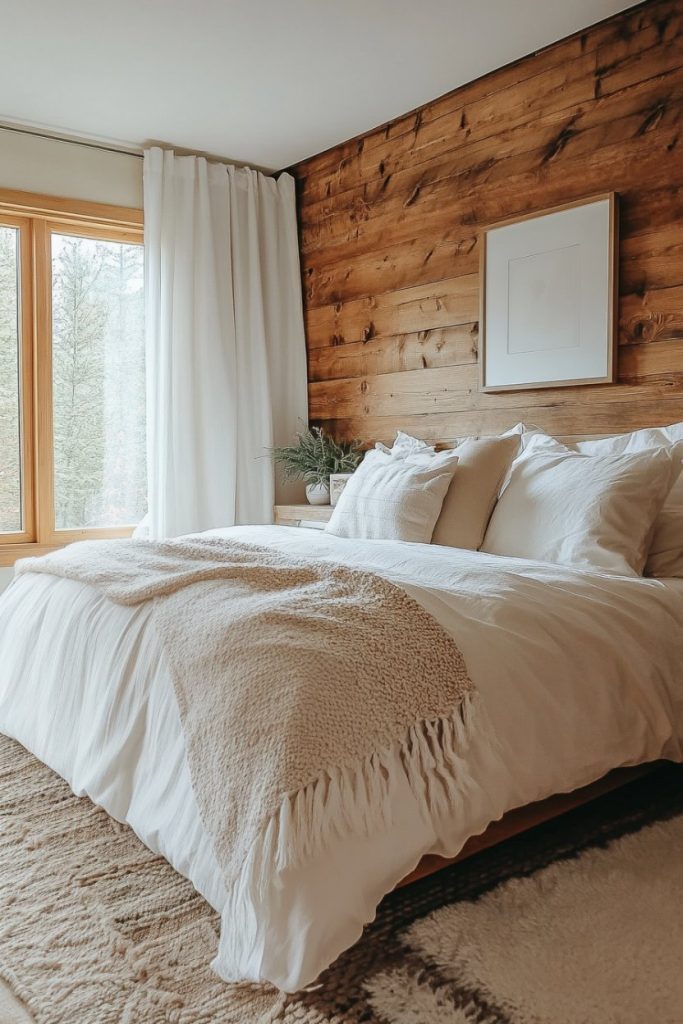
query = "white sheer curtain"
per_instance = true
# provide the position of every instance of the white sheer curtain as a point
(226, 360)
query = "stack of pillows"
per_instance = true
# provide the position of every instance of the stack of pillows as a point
(613, 505)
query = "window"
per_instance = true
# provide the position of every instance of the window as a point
(72, 373)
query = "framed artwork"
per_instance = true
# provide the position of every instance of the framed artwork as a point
(548, 297)
(338, 482)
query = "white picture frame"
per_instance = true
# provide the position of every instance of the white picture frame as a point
(548, 297)
(338, 482)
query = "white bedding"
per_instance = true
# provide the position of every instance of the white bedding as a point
(578, 673)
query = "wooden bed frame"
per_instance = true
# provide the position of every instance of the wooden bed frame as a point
(520, 819)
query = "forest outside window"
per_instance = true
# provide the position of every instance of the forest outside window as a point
(72, 373)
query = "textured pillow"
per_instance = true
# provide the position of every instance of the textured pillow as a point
(474, 490)
(580, 510)
(665, 557)
(390, 498)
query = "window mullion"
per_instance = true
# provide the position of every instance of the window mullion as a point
(27, 386)
(43, 382)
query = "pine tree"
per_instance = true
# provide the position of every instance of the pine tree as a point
(79, 318)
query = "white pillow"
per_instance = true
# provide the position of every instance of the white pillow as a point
(390, 498)
(665, 557)
(636, 441)
(586, 511)
(404, 445)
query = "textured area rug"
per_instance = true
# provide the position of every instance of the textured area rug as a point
(564, 925)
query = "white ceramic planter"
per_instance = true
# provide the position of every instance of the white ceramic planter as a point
(317, 494)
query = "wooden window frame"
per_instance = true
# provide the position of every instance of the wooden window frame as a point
(38, 217)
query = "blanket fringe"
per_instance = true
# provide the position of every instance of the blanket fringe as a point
(342, 802)
(357, 801)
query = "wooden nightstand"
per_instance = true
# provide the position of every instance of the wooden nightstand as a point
(312, 516)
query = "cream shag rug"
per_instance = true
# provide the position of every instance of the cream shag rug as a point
(598, 940)
(94, 929)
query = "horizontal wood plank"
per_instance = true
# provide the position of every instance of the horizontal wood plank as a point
(416, 392)
(448, 346)
(592, 417)
(406, 311)
(417, 261)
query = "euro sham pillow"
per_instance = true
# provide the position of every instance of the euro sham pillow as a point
(482, 466)
(394, 498)
(665, 557)
(590, 512)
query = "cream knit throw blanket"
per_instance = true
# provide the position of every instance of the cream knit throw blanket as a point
(298, 682)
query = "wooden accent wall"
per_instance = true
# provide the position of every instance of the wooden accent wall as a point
(389, 228)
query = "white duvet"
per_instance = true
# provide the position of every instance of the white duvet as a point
(578, 673)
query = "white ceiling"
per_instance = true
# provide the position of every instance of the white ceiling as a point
(265, 82)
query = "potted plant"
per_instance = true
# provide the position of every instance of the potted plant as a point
(313, 458)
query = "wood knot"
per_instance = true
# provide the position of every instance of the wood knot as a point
(662, 25)
(414, 196)
(559, 143)
(652, 118)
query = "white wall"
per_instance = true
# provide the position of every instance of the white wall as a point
(56, 168)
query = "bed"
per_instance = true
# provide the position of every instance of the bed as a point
(577, 673)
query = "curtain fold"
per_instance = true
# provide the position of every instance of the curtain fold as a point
(226, 359)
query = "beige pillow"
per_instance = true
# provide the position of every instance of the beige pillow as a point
(582, 510)
(474, 490)
(665, 558)
(390, 498)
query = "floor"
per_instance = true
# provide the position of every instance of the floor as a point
(11, 1011)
